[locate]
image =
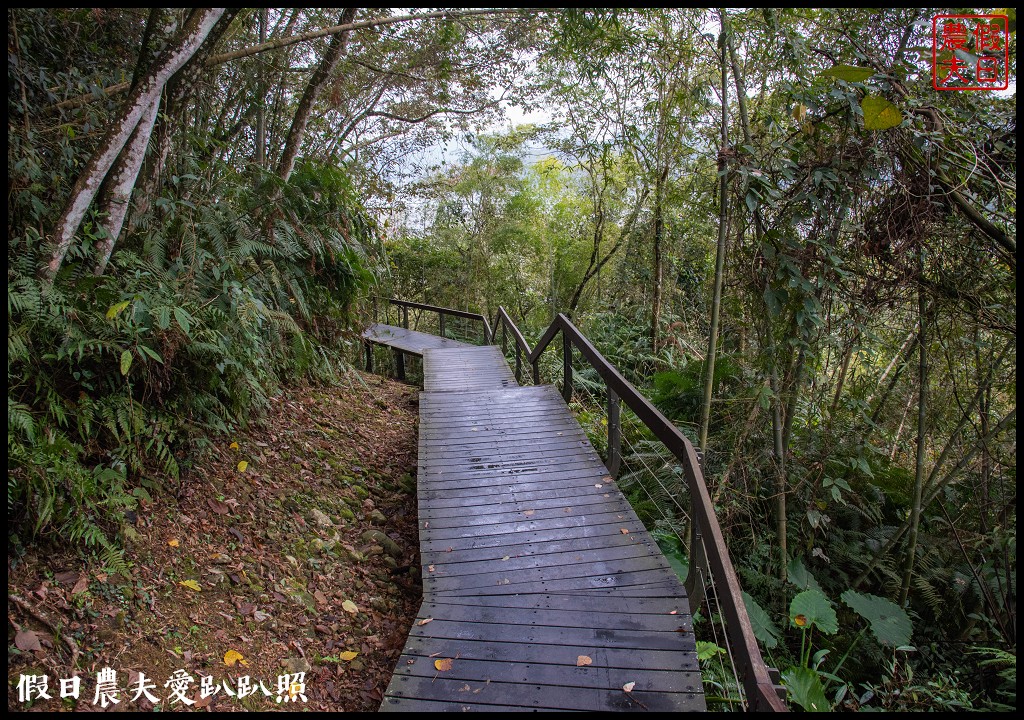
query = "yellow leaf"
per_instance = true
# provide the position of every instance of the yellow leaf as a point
(116, 309)
(528, 513)
(800, 620)
(173, 542)
(233, 656)
(242, 465)
(583, 660)
(233, 446)
(350, 607)
(191, 585)
(424, 621)
(800, 113)
(348, 655)
(443, 664)
(624, 531)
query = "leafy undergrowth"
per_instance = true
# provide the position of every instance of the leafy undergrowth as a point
(294, 546)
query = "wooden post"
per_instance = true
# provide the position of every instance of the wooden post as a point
(504, 338)
(405, 317)
(614, 461)
(440, 321)
(698, 566)
(369, 356)
(519, 363)
(566, 368)
(399, 364)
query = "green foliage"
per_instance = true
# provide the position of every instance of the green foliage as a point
(117, 380)
(811, 609)
(889, 622)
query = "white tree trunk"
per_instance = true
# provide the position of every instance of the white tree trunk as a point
(122, 182)
(140, 101)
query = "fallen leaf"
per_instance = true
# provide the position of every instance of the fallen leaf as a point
(598, 485)
(242, 465)
(68, 577)
(465, 688)
(350, 607)
(191, 584)
(673, 612)
(424, 621)
(528, 513)
(430, 568)
(443, 664)
(628, 687)
(624, 531)
(233, 656)
(27, 640)
(506, 557)
(233, 446)
(583, 660)
(320, 597)
(217, 506)
(173, 542)
(81, 586)
(260, 616)
(348, 655)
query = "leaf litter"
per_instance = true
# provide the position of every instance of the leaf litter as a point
(228, 596)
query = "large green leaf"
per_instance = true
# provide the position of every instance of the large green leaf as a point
(126, 362)
(800, 576)
(812, 609)
(889, 622)
(764, 629)
(805, 688)
(879, 113)
(849, 73)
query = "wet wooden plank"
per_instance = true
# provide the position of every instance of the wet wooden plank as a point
(531, 556)
(409, 341)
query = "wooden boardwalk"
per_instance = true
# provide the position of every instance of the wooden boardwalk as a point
(540, 584)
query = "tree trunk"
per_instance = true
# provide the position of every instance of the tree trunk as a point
(179, 89)
(121, 183)
(321, 76)
(139, 102)
(261, 113)
(922, 433)
(723, 231)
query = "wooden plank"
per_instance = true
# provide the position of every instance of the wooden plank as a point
(564, 618)
(525, 561)
(596, 603)
(566, 676)
(416, 705)
(562, 545)
(532, 695)
(512, 539)
(685, 661)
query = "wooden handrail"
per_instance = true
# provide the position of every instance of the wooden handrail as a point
(441, 312)
(706, 533)
(504, 322)
(758, 685)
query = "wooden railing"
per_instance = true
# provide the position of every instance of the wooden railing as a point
(708, 551)
(442, 313)
(709, 555)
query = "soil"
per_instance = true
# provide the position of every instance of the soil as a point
(293, 544)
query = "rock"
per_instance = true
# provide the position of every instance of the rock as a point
(321, 519)
(377, 537)
(347, 514)
(260, 616)
(297, 665)
(378, 517)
